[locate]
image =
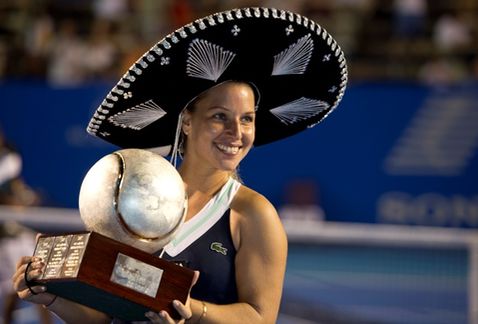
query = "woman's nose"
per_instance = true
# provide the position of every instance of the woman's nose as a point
(234, 128)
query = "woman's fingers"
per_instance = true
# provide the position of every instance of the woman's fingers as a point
(161, 317)
(29, 269)
(23, 260)
(195, 278)
(27, 272)
(182, 309)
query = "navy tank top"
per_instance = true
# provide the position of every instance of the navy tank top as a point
(213, 255)
(204, 243)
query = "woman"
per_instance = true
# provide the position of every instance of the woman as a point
(219, 131)
(209, 91)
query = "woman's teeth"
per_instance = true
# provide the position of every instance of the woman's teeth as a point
(228, 149)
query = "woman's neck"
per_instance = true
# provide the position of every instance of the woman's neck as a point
(205, 182)
(201, 186)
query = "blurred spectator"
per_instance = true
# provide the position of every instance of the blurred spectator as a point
(474, 68)
(13, 190)
(442, 71)
(47, 38)
(15, 240)
(294, 6)
(10, 169)
(409, 18)
(181, 13)
(318, 10)
(348, 18)
(66, 56)
(100, 53)
(39, 34)
(451, 33)
(3, 59)
(112, 10)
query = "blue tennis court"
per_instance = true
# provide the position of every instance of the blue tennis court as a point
(340, 283)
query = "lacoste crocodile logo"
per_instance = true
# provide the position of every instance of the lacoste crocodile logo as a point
(217, 247)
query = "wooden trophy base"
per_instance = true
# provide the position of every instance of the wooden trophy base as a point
(110, 276)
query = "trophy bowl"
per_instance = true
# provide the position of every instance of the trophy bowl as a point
(134, 196)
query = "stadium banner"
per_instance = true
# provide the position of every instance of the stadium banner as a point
(393, 153)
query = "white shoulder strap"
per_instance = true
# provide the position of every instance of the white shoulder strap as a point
(193, 229)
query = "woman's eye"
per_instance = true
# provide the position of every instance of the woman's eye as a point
(248, 119)
(219, 116)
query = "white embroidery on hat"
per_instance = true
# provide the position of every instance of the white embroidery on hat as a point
(206, 60)
(274, 13)
(219, 17)
(182, 33)
(305, 22)
(211, 21)
(136, 70)
(127, 95)
(289, 30)
(157, 50)
(238, 13)
(143, 64)
(300, 109)
(201, 24)
(235, 30)
(111, 97)
(332, 89)
(138, 116)
(295, 58)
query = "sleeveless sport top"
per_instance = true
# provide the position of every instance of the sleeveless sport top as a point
(204, 243)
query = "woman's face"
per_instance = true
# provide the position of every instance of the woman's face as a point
(220, 130)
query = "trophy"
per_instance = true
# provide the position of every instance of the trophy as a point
(132, 202)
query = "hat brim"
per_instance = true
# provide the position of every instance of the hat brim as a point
(296, 66)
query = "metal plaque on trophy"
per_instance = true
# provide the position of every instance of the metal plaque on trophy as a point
(132, 202)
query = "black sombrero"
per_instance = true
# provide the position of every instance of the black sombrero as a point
(297, 67)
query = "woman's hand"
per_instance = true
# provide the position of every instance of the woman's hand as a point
(21, 281)
(184, 310)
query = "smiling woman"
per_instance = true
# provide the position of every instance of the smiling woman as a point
(219, 85)
(220, 122)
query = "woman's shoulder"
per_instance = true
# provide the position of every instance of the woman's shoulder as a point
(248, 202)
(256, 217)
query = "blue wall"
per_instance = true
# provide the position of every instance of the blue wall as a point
(393, 153)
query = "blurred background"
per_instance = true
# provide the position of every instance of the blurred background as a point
(380, 201)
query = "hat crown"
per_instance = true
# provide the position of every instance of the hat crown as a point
(296, 66)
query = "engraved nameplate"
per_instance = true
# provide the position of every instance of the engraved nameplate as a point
(74, 256)
(137, 275)
(61, 254)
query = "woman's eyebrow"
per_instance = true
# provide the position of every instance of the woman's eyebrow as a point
(217, 107)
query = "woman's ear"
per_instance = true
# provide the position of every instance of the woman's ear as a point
(186, 126)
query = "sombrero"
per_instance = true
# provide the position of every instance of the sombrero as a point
(295, 65)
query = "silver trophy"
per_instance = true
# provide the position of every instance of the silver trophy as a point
(132, 202)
